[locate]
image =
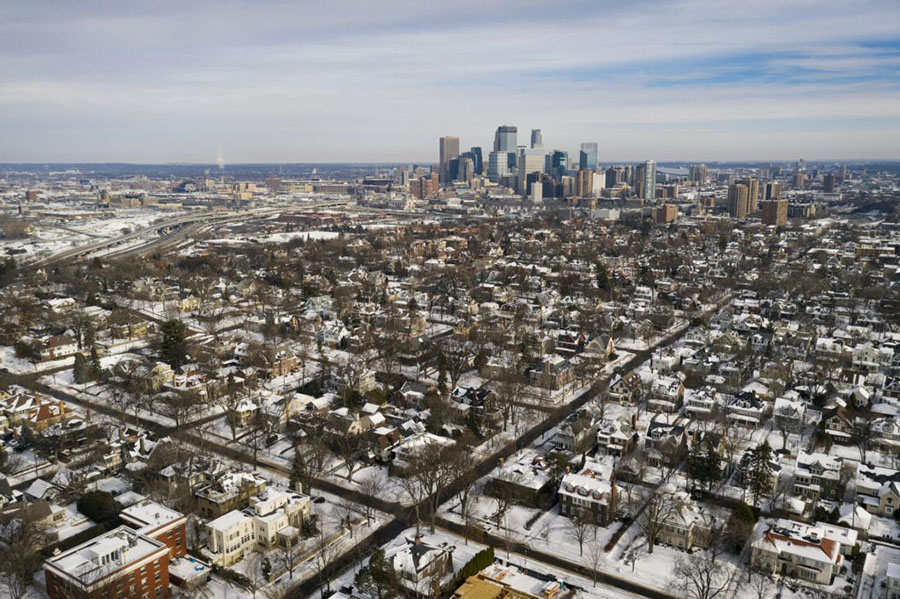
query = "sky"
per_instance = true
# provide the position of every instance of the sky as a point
(365, 80)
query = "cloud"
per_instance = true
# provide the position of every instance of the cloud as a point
(355, 80)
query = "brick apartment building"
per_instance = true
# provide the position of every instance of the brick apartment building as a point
(119, 564)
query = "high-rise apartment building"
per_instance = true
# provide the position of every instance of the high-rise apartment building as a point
(699, 173)
(666, 213)
(828, 183)
(449, 149)
(613, 176)
(645, 180)
(774, 212)
(773, 190)
(587, 157)
(738, 200)
(584, 181)
(752, 184)
(799, 180)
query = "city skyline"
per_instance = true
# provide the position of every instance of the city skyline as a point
(103, 82)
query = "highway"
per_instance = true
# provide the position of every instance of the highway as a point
(169, 232)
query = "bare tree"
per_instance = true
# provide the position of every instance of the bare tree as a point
(350, 447)
(370, 487)
(595, 558)
(701, 576)
(21, 540)
(761, 584)
(325, 552)
(661, 505)
(288, 557)
(253, 573)
(347, 510)
(579, 531)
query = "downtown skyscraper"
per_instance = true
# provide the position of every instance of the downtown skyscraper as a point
(587, 158)
(449, 149)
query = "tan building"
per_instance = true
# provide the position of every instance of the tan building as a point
(738, 200)
(774, 212)
(752, 184)
(666, 213)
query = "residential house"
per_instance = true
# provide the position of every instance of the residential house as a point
(592, 493)
(797, 550)
(818, 475)
(524, 478)
(616, 437)
(666, 394)
(627, 389)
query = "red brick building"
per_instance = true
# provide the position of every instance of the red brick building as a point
(160, 523)
(119, 564)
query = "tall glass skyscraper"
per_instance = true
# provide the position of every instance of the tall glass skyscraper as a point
(559, 163)
(505, 139)
(588, 156)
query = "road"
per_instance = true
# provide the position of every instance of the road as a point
(402, 516)
(168, 232)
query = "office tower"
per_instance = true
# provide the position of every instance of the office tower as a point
(774, 212)
(613, 176)
(738, 200)
(801, 165)
(537, 141)
(475, 151)
(498, 165)
(466, 169)
(773, 190)
(627, 175)
(449, 149)
(530, 161)
(505, 139)
(645, 180)
(752, 184)
(699, 173)
(559, 163)
(587, 158)
(799, 180)
(828, 183)
(844, 172)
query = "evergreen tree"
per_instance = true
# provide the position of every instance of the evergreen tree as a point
(299, 473)
(695, 465)
(379, 580)
(80, 370)
(442, 375)
(760, 475)
(712, 466)
(173, 350)
(96, 369)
